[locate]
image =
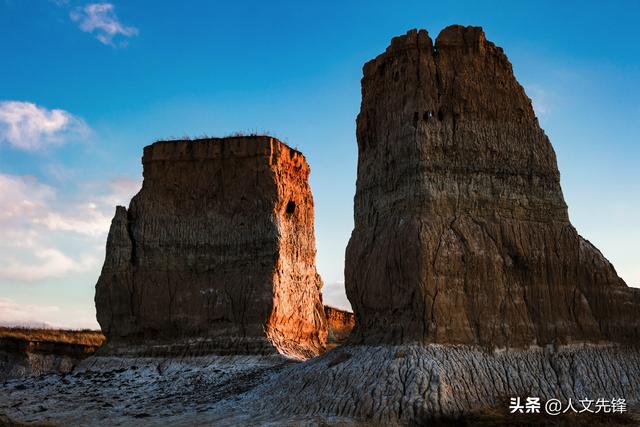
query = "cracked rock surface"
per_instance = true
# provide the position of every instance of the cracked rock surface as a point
(409, 384)
(468, 282)
(351, 385)
(134, 391)
(461, 230)
(215, 254)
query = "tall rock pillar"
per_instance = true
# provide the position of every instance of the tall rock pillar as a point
(461, 229)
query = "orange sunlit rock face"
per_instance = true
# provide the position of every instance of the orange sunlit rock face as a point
(340, 323)
(215, 253)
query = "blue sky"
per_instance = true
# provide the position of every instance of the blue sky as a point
(85, 86)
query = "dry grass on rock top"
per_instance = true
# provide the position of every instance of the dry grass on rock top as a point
(65, 336)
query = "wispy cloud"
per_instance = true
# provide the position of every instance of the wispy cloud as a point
(87, 219)
(541, 99)
(100, 19)
(13, 314)
(28, 126)
(335, 295)
(118, 191)
(44, 263)
(36, 227)
(25, 200)
(47, 316)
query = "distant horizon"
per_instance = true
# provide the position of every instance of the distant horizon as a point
(88, 87)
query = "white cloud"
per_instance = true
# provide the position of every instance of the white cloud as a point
(45, 235)
(60, 172)
(86, 219)
(24, 200)
(540, 99)
(44, 263)
(22, 197)
(12, 314)
(28, 126)
(334, 294)
(119, 191)
(100, 19)
(37, 227)
(45, 316)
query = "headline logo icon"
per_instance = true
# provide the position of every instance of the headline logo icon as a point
(553, 406)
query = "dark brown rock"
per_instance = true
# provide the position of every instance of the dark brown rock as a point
(216, 253)
(461, 229)
(21, 357)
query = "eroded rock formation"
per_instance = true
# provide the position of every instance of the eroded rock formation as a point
(340, 323)
(25, 358)
(216, 253)
(413, 385)
(461, 236)
(461, 229)
(385, 385)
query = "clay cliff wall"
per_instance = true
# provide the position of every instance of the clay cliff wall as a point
(461, 229)
(216, 253)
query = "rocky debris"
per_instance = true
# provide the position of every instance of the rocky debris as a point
(23, 358)
(352, 385)
(216, 254)
(130, 391)
(340, 323)
(461, 230)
